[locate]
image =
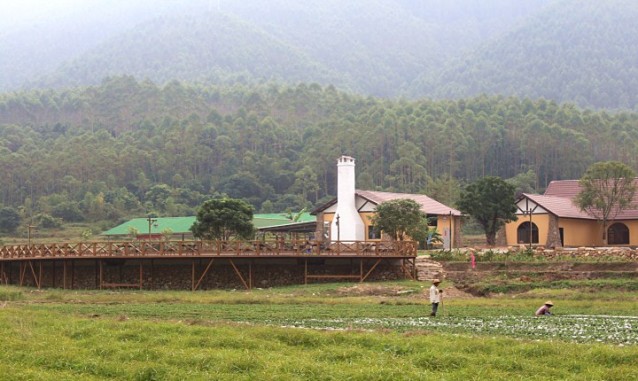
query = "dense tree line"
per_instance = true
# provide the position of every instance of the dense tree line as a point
(126, 148)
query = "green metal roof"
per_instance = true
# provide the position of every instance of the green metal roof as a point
(182, 225)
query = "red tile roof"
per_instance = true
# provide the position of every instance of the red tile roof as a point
(559, 196)
(560, 206)
(428, 205)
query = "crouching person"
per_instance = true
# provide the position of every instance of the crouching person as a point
(544, 309)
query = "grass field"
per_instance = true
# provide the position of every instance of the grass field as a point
(372, 331)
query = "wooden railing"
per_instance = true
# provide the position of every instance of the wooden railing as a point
(207, 248)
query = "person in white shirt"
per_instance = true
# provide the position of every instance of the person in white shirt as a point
(435, 296)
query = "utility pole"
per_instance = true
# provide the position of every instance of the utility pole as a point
(151, 222)
(29, 228)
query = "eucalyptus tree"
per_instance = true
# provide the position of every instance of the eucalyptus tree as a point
(607, 188)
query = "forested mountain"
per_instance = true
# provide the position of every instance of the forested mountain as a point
(581, 51)
(126, 148)
(424, 48)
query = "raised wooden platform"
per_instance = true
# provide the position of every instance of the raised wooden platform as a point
(31, 258)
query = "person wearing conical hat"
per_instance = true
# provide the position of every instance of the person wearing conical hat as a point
(544, 309)
(435, 296)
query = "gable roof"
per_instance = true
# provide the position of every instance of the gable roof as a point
(559, 200)
(559, 206)
(428, 205)
(563, 188)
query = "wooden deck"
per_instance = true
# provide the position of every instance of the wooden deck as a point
(31, 257)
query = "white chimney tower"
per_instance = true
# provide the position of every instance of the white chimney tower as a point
(346, 224)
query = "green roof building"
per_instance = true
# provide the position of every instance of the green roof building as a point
(180, 226)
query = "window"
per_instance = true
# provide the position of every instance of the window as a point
(523, 233)
(373, 233)
(618, 234)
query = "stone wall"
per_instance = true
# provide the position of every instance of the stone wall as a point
(427, 269)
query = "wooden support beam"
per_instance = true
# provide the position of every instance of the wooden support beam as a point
(305, 274)
(72, 273)
(64, 274)
(40, 275)
(22, 270)
(3, 275)
(199, 282)
(250, 275)
(372, 269)
(101, 274)
(35, 276)
(241, 278)
(141, 275)
(407, 273)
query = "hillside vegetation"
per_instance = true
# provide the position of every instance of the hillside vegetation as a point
(567, 51)
(125, 147)
(588, 57)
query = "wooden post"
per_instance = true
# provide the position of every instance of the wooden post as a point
(64, 274)
(305, 275)
(101, 273)
(193, 276)
(141, 274)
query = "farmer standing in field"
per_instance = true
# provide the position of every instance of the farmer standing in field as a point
(435, 296)
(544, 309)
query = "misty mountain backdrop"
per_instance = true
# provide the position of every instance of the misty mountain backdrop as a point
(580, 51)
(118, 109)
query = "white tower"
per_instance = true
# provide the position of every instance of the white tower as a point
(346, 224)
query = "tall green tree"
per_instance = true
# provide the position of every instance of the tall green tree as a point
(9, 219)
(607, 188)
(400, 218)
(490, 201)
(223, 219)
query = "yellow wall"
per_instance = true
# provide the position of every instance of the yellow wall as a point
(633, 231)
(366, 218)
(576, 232)
(540, 220)
(581, 232)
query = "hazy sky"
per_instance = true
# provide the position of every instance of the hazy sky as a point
(20, 12)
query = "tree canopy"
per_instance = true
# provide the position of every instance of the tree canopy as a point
(607, 188)
(127, 148)
(223, 219)
(400, 219)
(490, 201)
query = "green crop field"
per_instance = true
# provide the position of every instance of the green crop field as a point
(371, 331)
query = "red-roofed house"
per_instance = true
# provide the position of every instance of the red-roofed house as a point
(554, 220)
(348, 216)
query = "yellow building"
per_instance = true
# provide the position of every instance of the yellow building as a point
(554, 220)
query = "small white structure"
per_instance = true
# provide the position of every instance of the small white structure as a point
(346, 224)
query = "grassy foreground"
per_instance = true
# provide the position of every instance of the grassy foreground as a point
(359, 332)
